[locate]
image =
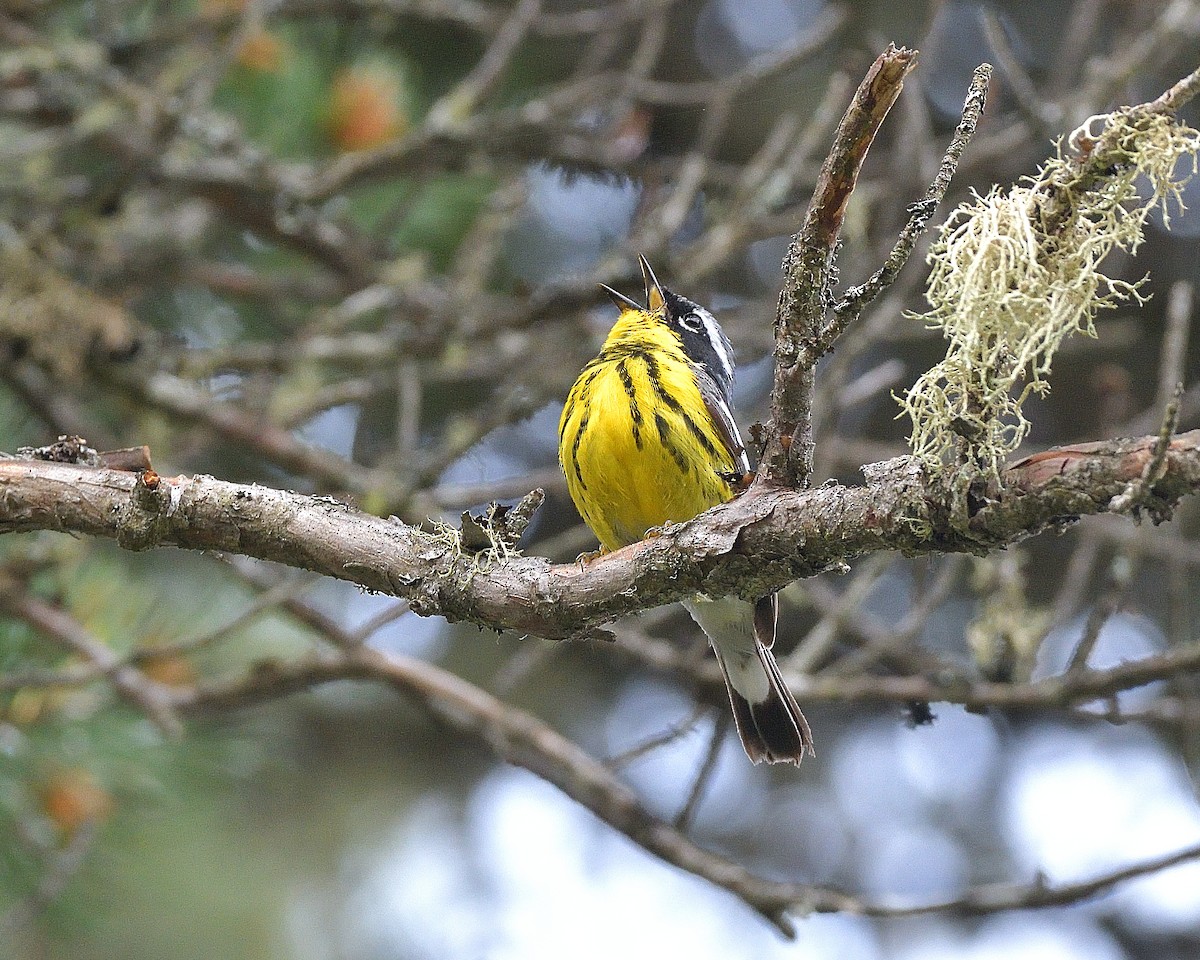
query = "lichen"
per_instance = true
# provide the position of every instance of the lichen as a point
(474, 548)
(1007, 629)
(1015, 272)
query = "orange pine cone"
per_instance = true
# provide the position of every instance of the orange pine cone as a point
(364, 108)
(261, 51)
(73, 798)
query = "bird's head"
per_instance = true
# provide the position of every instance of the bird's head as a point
(695, 328)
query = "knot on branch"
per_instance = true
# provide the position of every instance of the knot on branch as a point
(500, 527)
(143, 521)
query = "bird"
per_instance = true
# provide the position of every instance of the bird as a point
(647, 437)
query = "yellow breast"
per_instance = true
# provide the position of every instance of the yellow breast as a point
(637, 444)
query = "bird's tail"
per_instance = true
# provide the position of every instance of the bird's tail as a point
(768, 718)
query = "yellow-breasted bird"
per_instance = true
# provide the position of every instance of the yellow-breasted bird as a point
(647, 437)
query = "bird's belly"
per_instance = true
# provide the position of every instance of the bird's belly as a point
(643, 471)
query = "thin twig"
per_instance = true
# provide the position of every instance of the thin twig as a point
(291, 585)
(60, 864)
(857, 298)
(765, 183)
(489, 69)
(1100, 614)
(1085, 17)
(945, 684)
(687, 813)
(1139, 491)
(815, 647)
(1075, 581)
(1042, 114)
(655, 741)
(151, 698)
(389, 614)
(1171, 365)
(1173, 30)
(899, 637)
(1121, 572)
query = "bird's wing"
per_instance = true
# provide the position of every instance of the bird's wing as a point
(718, 408)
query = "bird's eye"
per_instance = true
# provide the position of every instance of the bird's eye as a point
(690, 321)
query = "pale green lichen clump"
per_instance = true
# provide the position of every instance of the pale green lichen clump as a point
(1016, 272)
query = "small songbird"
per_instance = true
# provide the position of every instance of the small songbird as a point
(647, 437)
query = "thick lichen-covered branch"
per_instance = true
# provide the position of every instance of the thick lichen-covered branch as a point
(749, 546)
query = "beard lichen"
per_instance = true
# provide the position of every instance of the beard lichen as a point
(1016, 272)
(1007, 631)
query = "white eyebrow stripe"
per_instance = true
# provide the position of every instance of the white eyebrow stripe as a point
(717, 341)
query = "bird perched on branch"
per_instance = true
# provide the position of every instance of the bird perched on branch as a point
(647, 437)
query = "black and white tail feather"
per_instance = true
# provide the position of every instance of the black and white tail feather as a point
(769, 720)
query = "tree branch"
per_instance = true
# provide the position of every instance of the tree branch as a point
(858, 298)
(808, 269)
(749, 546)
(143, 693)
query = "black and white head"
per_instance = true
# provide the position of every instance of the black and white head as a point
(703, 340)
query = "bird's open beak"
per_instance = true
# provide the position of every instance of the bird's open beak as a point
(623, 302)
(654, 290)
